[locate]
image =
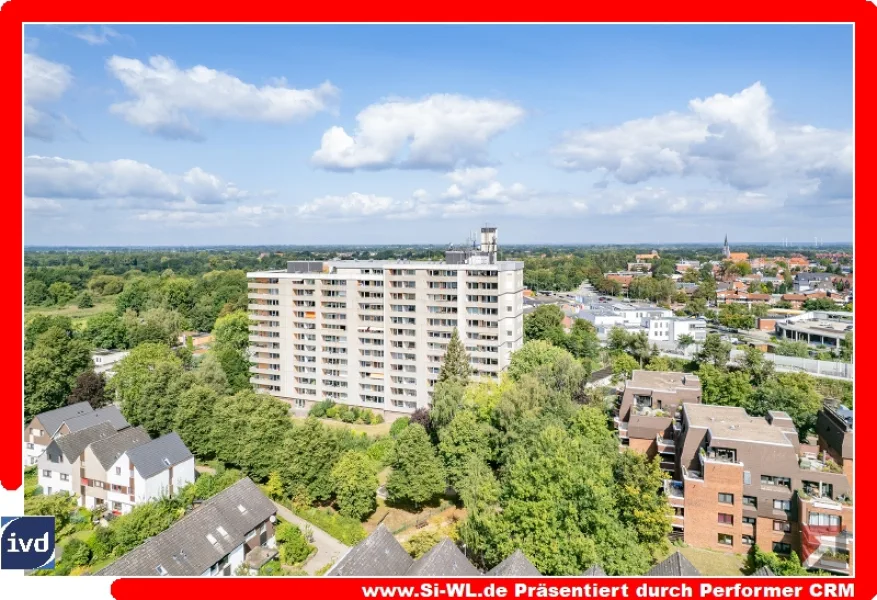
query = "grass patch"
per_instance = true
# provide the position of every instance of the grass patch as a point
(370, 430)
(711, 563)
(101, 304)
(344, 529)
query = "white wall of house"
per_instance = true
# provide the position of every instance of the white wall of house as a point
(32, 453)
(157, 485)
(55, 474)
(119, 474)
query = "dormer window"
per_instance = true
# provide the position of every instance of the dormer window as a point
(161, 570)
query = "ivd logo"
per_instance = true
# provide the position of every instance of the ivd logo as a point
(27, 543)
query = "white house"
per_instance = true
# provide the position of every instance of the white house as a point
(148, 471)
(105, 360)
(97, 460)
(43, 427)
(59, 467)
(670, 329)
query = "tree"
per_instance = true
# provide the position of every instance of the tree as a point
(160, 325)
(480, 492)
(90, 387)
(545, 323)
(35, 293)
(106, 285)
(783, 304)
(356, 482)
(794, 393)
(144, 385)
(583, 343)
(715, 351)
(736, 316)
(61, 292)
(846, 347)
(84, 300)
(533, 355)
(783, 567)
(465, 437)
(455, 363)
(637, 480)
(417, 474)
(754, 363)
(135, 296)
(51, 368)
(291, 543)
(246, 430)
(106, 330)
(725, 388)
(658, 363)
(447, 399)
(193, 418)
(230, 345)
(274, 488)
(810, 304)
(60, 506)
(623, 366)
(785, 347)
(39, 324)
(685, 340)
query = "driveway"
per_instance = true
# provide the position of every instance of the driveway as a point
(329, 550)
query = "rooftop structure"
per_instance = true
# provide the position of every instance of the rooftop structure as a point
(816, 327)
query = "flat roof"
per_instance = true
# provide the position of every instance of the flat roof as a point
(733, 423)
(663, 380)
(818, 326)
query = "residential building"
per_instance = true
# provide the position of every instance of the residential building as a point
(105, 360)
(642, 267)
(648, 409)
(818, 328)
(381, 555)
(155, 469)
(741, 480)
(687, 265)
(110, 413)
(653, 255)
(660, 323)
(99, 456)
(735, 296)
(670, 329)
(43, 427)
(805, 282)
(374, 333)
(231, 529)
(59, 466)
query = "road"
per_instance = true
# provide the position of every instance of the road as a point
(329, 550)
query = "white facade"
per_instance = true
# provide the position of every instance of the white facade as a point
(54, 473)
(32, 452)
(373, 333)
(672, 328)
(119, 491)
(105, 360)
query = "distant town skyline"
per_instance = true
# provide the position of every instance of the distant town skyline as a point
(240, 135)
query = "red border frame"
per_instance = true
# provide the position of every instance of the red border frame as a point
(15, 12)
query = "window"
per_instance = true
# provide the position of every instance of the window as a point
(782, 505)
(726, 539)
(222, 531)
(160, 570)
(65, 477)
(47, 474)
(29, 446)
(49, 491)
(784, 526)
(726, 498)
(748, 540)
(747, 480)
(749, 521)
(242, 509)
(117, 506)
(211, 539)
(823, 520)
(782, 548)
(118, 470)
(750, 501)
(781, 481)
(726, 519)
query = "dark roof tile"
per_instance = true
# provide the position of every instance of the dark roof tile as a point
(107, 451)
(443, 560)
(516, 565)
(380, 554)
(676, 565)
(157, 455)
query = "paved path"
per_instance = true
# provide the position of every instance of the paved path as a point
(329, 550)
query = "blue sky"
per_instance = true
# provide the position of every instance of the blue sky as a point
(397, 134)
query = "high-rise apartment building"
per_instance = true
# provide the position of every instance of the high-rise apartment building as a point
(374, 333)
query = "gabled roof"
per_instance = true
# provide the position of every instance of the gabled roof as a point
(764, 572)
(675, 565)
(51, 420)
(106, 413)
(73, 444)
(516, 565)
(443, 560)
(157, 455)
(108, 450)
(184, 549)
(594, 571)
(380, 554)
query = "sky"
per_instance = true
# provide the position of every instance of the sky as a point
(398, 134)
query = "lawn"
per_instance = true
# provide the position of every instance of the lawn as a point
(404, 523)
(101, 304)
(711, 563)
(370, 430)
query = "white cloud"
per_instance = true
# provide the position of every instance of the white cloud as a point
(96, 36)
(239, 216)
(124, 180)
(167, 97)
(353, 205)
(736, 140)
(42, 206)
(439, 131)
(44, 82)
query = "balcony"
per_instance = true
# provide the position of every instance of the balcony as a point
(675, 492)
(622, 431)
(665, 446)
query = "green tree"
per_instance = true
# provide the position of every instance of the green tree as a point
(715, 351)
(144, 384)
(106, 285)
(177, 294)
(356, 482)
(783, 567)
(846, 347)
(135, 296)
(794, 393)
(583, 343)
(447, 399)
(758, 368)
(84, 300)
(463, 438)
(51, 368)
(545, 323)
(480, 492)
(152, 325)
(35, 293)
(658, 363)
(736, 316)
(533, 355)
(791, 348)
(106, 330)
(417, 474)
(274, 487)
(230, 345)
(291, 543)
(685, 340)
(455, 363)
(725, 388)
(60, 505)
(61, 292)
(623, 366)
(810, 304)
(90, 387)
(193, 418)
(637, 480)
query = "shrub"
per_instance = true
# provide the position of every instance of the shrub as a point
(293, 546)
(320, 409)
(421, 543)
(399, 426)
(348, 417)
(332, 412)
(76, 553)
(380, 451)
(344, 529)
(377, 419)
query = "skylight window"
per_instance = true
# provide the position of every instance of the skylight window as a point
(167, 462)
(242, 509)
(161, 570)
(222, 531)
(211, 539)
